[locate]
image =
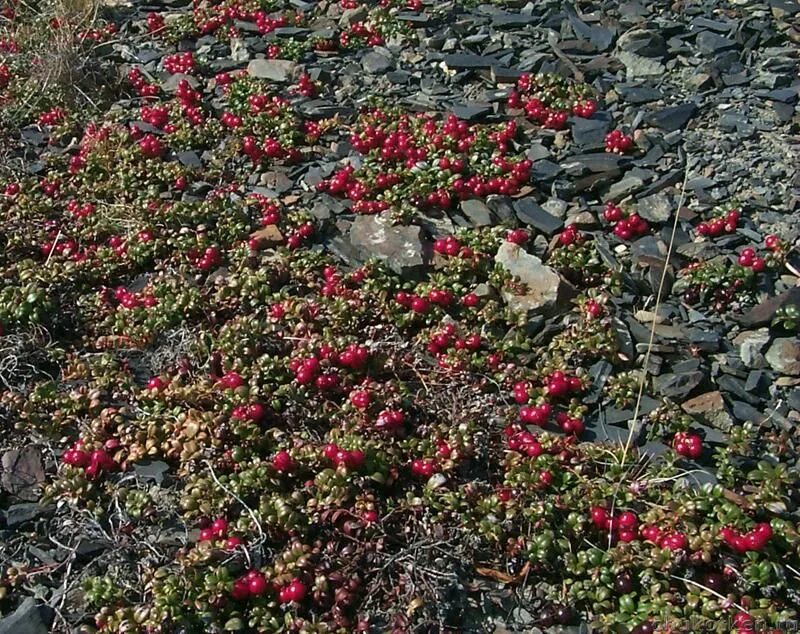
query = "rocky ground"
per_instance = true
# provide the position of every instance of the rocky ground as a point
(126, 428)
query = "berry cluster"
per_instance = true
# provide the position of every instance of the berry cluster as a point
(423, 467)
(518, 236)
(688, 444)
(774, 243)
(748, 259)
(294, 591)
(253, 412)
(138, 81)
(445, 339)
(358, 36)
(569, 236)
(726, 222)
(218, 530)
(252, 584)
(618, 142)
(558, 385)
(429, 163)
(753, 540)
(548, 100)
(584, 108)
(155, 22)
(151, 145)
(422, 304)
(306, 86)
(622, 527)
(130, 300)
(205, 259)
(183, 63)
(624, 227)
(52, 117)
(351, 459)
(93, 463)
(451, 247)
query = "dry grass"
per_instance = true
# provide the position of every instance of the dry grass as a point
(23, 357)
(62, 62)
(59, 65)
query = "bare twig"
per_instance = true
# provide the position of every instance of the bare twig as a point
(245, 506)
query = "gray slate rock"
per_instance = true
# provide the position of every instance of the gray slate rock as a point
(542, 284)
(273, 69)
(531, 213)
(624, 187)
(677, 386)
(672, 118)
(22, 471)
(596, 162)
(751, 343)
(784, 356)
(711, 43)
(763, 313)
(655, 208)
(638, 66)
(29, 618)
(376, 62)
(470, 61)
(471, 111)
(401, 247)
(18, 514)
(477, 212)
(351, 16)
(152, 470)
(639, 94)
(643, 42)
(589, 133)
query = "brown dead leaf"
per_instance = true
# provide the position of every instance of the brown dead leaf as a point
(737, 499)
(525, 190)
(415, 604)
(269, 236)
(504, 577)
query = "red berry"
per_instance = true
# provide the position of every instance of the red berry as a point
(240, 590)
(156, 383)
(593, 308)
(517, 236)
(420, 305)
(360, 398)
(219, 526)
(599, 516)
(764, 529)
(206, 535)
(626, 535)
(470, 300)
(295, 591)
(257, 584)
(283, 462)
(688, 445)
(754, 541)
(233, 542)
(627, 519)
(232, 380)
(674, 541)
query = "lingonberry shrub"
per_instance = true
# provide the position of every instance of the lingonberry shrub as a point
(338, 445)
(549, 99)
(426, 163)
(722, 221)
(719, 283)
